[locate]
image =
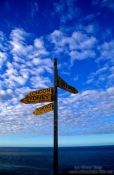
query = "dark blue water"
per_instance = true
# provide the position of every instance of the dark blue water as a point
(34, 161)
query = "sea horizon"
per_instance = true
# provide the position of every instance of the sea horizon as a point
(58, 147)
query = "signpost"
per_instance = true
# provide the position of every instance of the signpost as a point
(55, 119)
(37, 99)
(43, 109)
(62, 84)
(50, 95)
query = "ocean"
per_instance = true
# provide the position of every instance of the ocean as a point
(39, 161)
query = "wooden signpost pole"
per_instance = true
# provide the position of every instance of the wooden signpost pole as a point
(55, 119)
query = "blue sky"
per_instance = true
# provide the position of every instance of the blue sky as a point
(81, 35)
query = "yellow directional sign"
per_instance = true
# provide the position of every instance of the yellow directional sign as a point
(62, 84)
(43, 109)
(41, 92)
(37, 99)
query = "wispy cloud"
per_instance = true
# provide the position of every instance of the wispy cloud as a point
(104, 75)
(92, 109)
(33, 8)
(107, 50)
(77, 45)
(104, 3)
(66, 9)
(20, 58)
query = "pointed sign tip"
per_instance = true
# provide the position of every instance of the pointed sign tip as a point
(22, 100)
(33, 112)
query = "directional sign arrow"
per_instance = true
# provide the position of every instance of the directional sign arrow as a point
(62, 84)
(37, 99)
(43, 109)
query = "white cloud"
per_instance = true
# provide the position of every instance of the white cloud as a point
(3, 57)
(9, 91)
(105, 71)
(75, 55)
(39, 44)
(22, 59)
(18, 34)
(42, 82)
(19, 46)
(1, 36)
(107, 51)
(2, 93)
(78, 45)
(87, 111)
(3, 49)
(83, 43)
